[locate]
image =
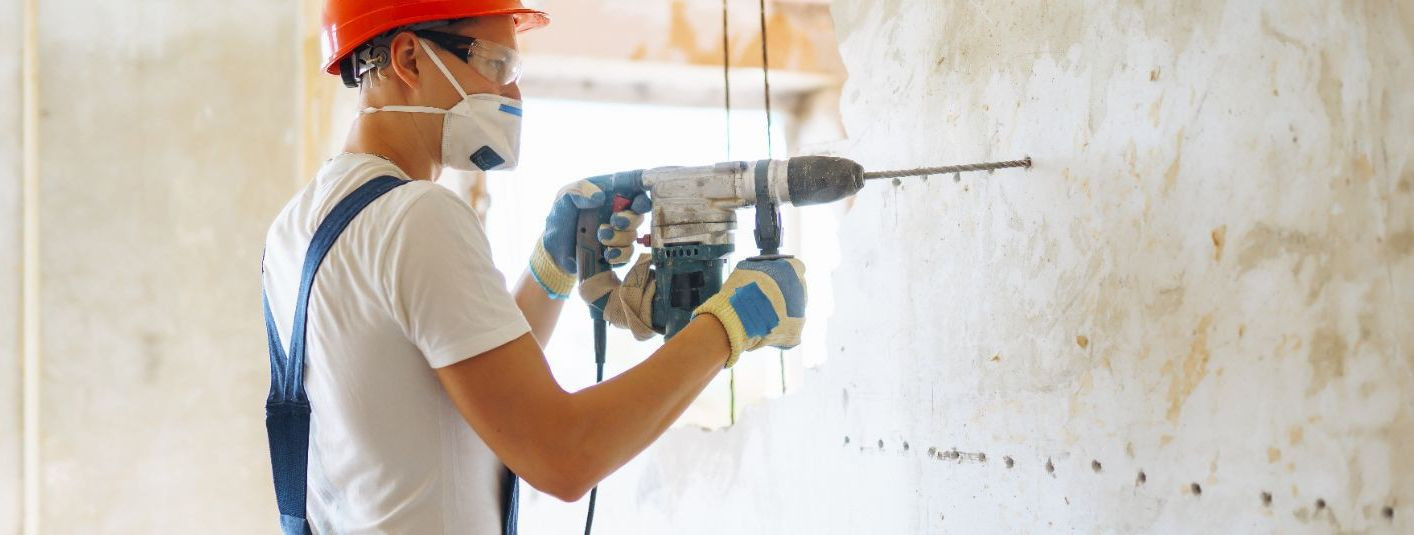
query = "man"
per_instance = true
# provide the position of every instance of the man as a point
(423, 374)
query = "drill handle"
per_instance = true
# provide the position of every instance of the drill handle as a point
(589, 252)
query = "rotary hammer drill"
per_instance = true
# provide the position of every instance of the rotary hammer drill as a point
(694, 214)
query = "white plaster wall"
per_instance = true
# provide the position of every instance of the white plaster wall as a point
(1206, 278)
(167, 147)
(11, 165)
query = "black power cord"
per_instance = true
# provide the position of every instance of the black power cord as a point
(600, 348)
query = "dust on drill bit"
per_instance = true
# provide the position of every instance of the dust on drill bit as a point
(920, 171)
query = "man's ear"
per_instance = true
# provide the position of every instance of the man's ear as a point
(402, 59)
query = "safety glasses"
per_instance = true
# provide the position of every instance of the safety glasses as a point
(498, 63)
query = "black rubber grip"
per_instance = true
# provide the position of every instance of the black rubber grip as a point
(822, 179)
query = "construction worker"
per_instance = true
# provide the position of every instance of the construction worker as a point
(412, 378)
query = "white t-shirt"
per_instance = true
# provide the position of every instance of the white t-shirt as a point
(408, 287)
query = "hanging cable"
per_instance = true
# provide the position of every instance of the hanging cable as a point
(727, 80)
(727, 106)
(770, 143)
(766, 81)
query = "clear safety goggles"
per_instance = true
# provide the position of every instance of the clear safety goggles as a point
(498, 63)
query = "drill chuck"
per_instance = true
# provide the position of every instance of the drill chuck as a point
(822, 179)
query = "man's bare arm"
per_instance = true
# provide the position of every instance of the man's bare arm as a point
(539, 309)
(565, 443)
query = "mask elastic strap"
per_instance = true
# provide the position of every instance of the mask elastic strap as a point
(438, 61)
(424, 109)
(405, 109)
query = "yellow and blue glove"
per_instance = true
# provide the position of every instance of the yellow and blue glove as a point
(762, 303)
(553, 263)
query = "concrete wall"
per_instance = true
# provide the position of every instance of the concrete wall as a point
(11, 170)
(167, 145)
(1191, 316)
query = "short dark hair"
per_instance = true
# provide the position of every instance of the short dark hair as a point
(374, 53)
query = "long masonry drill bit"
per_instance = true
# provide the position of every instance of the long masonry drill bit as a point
(948, 169)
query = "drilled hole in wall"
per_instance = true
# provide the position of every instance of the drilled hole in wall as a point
(982, 456)
(1266, 498)
(1320, 503)
(1388, 512)
(1008, 462)
(1195, 488)
(1095, 465)
(1141, 478)
(881, 443)
(1050, 467)
(846, 439)
(905, 446)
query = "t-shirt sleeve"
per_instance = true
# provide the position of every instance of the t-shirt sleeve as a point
(443, 289)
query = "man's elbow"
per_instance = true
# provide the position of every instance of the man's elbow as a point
(564, 473)
(565, 468)
(570, 493)
(566, 484)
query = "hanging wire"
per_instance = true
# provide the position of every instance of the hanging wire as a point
(770, 143)
(727, 80)
(766, 81)
(727, 90)
(731, 385)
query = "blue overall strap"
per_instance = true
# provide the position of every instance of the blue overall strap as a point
(511, 515)
(287, 408)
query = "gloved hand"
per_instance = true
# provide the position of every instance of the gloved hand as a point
(630, 303)
(762, 303)
(553, 263)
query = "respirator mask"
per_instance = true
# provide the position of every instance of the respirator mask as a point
(482, 132)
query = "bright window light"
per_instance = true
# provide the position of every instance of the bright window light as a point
(567, 140)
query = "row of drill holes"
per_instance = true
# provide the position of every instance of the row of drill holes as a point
(1141, 479)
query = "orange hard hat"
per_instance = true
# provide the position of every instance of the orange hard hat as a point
(351, 23)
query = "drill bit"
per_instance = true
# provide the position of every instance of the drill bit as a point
(920, 171)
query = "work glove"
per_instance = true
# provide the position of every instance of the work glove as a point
(553, 262)
(762, 303)
(630, 302)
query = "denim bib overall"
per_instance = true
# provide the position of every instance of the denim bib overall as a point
(287, 410)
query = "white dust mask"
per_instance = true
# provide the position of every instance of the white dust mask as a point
(480, 133)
